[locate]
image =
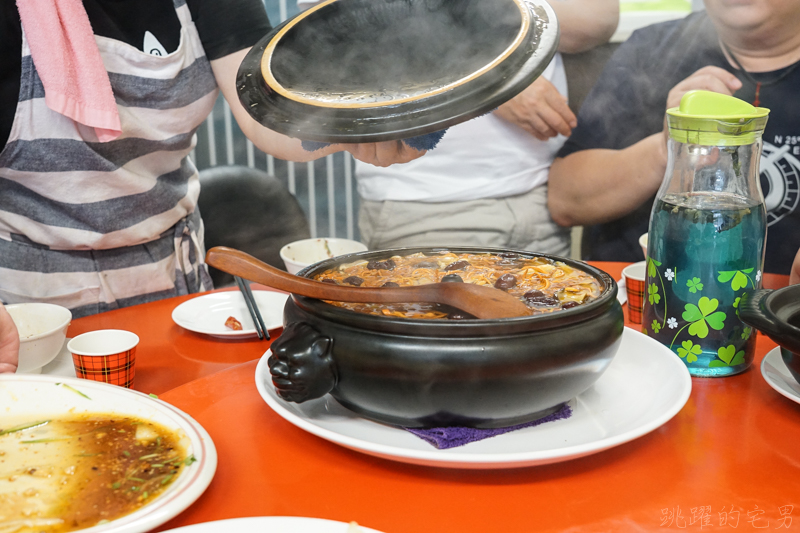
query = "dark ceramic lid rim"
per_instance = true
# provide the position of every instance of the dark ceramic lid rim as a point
(521, 41)
(418, 117)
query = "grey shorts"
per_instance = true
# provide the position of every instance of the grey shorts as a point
(521, 222)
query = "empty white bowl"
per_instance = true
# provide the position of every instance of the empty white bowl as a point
(299, 254)
(42, 330)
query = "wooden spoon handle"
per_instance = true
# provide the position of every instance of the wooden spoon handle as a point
(479, 301)
(246, 266)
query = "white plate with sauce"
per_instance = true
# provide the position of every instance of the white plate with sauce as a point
(274, 524)
(37, 398)
(207, 314)
(643, 388)
(778, 376)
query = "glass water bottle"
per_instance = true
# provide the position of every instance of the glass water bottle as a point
(707, 234)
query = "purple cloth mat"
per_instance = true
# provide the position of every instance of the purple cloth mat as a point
(451, 437)
(427, 141)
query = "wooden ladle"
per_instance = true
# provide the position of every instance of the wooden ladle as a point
(477, 300)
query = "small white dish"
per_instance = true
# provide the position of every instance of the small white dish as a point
(778, 376)
(622, 291)
(273, 524)
(62, 365)
(37, 397)
(207, 314)
(644, 387)
(299, 254)
(42, 329)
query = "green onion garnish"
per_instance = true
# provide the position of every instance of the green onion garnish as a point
(37, 441)
(24, 427)
(76, 391)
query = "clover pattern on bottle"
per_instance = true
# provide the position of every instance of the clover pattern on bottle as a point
(699, 317)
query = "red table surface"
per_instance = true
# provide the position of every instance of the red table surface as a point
(728, 460)
(168, 355)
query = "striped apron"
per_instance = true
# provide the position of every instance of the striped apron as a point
(97, 226)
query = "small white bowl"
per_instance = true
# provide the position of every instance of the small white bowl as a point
(299, 254)
(643, 244)
(42, 330)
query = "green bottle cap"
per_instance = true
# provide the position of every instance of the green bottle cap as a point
(714, 119)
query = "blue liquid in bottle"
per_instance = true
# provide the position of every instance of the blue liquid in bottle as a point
(705, 250)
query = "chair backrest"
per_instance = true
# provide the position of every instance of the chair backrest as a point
(249, 210)
(583, 69)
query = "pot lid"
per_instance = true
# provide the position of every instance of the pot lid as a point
(375, 70)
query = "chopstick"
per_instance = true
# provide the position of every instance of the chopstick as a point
(249, 299)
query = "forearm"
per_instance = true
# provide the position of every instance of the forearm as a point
(585, 24)
(595, 186)
(271, 142)
(280, 146)
(266, 140)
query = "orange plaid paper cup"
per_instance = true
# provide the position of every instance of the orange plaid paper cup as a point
(635, 283)
(107, 355)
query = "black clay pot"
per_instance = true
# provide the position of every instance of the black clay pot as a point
(431, 373)
(777, 315)
(376, 70)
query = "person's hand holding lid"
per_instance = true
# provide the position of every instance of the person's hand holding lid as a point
(540, 110)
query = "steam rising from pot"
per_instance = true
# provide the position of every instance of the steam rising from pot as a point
(357, 71)
(385, 50)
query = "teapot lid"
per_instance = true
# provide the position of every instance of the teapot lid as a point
(714, 119)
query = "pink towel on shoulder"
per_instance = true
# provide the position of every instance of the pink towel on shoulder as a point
(69, 64)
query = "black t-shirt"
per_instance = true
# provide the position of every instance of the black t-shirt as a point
(224, 27)
(628, 103)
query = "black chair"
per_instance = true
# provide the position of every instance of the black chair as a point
(249, 210)
(583, 69)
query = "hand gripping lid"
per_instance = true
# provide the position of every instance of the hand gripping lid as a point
(715, 119)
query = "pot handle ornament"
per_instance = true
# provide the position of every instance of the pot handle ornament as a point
(302, 364)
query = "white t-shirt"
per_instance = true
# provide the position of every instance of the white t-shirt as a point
(486, 157)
